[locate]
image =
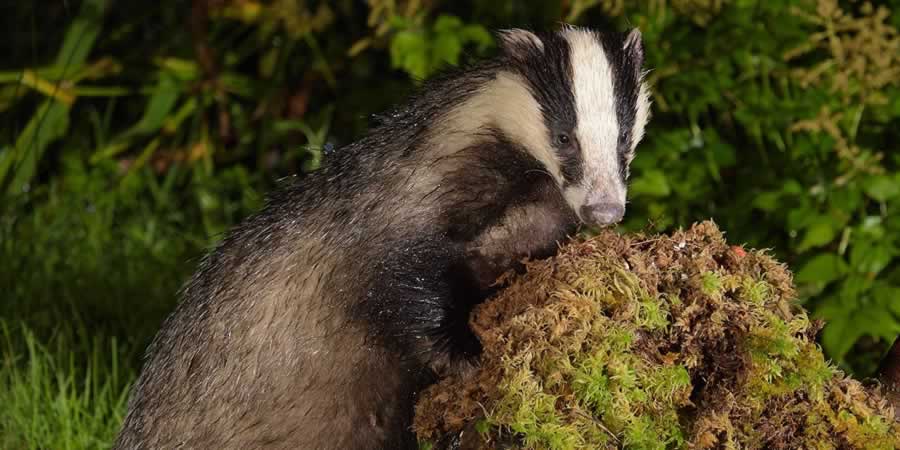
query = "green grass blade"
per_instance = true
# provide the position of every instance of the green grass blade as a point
(51, 120)
(82, 33)
(48, 124)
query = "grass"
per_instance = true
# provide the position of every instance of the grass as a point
(89, 266)
(69, 393)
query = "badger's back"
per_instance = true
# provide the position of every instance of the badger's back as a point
(263, 348)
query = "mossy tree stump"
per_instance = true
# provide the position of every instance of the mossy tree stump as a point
(652, 342)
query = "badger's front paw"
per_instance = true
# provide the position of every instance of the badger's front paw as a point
(446, 364)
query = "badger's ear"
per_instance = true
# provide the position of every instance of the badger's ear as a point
(634, 47)
(518, 43)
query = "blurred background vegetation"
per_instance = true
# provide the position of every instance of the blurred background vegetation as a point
(135, 133)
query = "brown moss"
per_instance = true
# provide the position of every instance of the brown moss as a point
(679, 341)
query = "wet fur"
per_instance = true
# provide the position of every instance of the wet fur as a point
(315, 322)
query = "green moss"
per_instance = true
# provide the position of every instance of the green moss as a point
(482, 426)
(652, 314)
(603, 376)
(711, 284)
(870, 432)
(782, 361)
(643, 433)
(591, 385)
(754, 291)
(613, 344)
(667, 384)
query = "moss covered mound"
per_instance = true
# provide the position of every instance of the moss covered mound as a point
(631, 341)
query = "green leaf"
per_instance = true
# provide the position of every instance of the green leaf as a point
(872, 227)
(400, 22)
(819, 233)
(854, 287)
(792, 187)
(652, 183)
(871, 257)
(822, 268)
(268, 62)
(51, 119)
(722, 152)
(887, 296)
(446, 49)
(409, 52)
(477, 34)
(82, 33)
(879, 323)
(838, 337)
(446, 24)
(882, 187)
(158, 108)
(182, 69)
(162, 102)
(767, 201)
(47, 124)
(839, 334)
(802, 216)
(847, 199)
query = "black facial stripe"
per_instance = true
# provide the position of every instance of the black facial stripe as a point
(571, 164)
(549, 75)
(625, 66)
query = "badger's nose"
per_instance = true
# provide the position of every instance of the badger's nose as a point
(602, 214)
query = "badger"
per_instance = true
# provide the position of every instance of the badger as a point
(316, 321)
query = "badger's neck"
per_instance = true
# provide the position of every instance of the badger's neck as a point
(500, 109)
(481, 152)
(454, 159)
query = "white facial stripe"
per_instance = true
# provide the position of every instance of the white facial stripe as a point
(641, 117)
(507, 103)
(597, 128)
(517, 113)
(576, 195)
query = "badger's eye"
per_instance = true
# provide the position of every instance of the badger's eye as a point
(563, 139)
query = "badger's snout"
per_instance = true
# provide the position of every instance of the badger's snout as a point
(602, 214)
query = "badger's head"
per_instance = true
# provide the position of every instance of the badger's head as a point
(576, 101)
